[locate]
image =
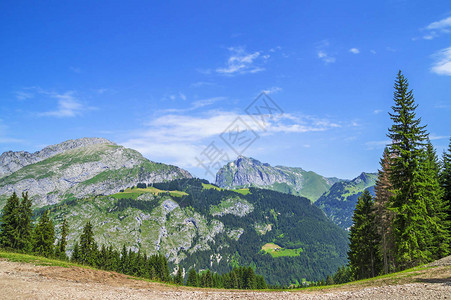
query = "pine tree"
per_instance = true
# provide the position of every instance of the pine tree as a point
(9, 235)
(383, 215)
(261, 283)
(25, 228)
(445, 179)
(192, 279)
(207, 279)
(363, 252)
(124, 266)
(178, 279)
(407, 135)
(432, 194)
(88, 247)
(250, 279)
(234, 281)
(44, 236)
(62, 243)
(76, 253)
(343, 275)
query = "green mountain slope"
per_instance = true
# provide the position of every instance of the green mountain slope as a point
(339, 202)
(245, 172)
(203, 226)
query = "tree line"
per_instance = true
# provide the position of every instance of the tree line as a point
(18, 234)
(407, 223)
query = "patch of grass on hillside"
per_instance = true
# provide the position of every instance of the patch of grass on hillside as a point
(210, 186)
(136, 192)
(277, 251)
(36, 260)
(242, 191)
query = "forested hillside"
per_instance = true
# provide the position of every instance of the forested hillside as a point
(284, 237)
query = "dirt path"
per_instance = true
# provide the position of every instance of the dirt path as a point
(26, 281)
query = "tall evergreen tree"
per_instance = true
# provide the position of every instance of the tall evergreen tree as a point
(178, 279)
(25, 228)
(363, 252)
(192, 279)
(250, 279)
(62, 243)
(445, 178)
(383, 215)
(44, 236)
(407, 136)
(261, 283)
(88, 246)
(432, 194)
(76, 253)
(9, 236)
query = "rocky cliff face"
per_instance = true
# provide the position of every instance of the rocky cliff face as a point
(245, 172)
(339, 202)
(77, 168)
(11, 161)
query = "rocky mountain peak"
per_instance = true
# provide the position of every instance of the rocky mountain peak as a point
(363, 177)
(12, 161)
(248, 171)
(81, 167)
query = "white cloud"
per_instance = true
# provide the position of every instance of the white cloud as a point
(241, 62)
(272, 90)
(202, 83)
(322, 54)
(377, 111)
(4, 137)
(68, 105)
(442, 65)
(373, 51)
(180, 138)
(354, 50)
(372, 145)
(433, 137)
(194, 105)
(22, 95)
(435, 29)
(325, 57)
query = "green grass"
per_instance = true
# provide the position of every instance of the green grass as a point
(37, 260)
(209, 186)
(44, 261)
(277, 251)
(136, 192)
(242, 191)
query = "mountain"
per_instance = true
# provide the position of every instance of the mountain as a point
(245, 172)
(78, 168)
(339, 202)
(286, 238)
(155, 207)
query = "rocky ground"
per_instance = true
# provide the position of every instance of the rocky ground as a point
(27, 281)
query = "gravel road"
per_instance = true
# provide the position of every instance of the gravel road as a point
(26, 281)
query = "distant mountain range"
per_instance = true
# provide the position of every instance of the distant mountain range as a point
(339, 202)
(156, 207)
(336, 197)
(246, 172)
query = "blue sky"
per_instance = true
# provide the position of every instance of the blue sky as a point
(168, 77)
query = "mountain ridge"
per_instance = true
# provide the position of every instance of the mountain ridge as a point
(247, 171)
(78, 168)
(339, 202)
(12, 161)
